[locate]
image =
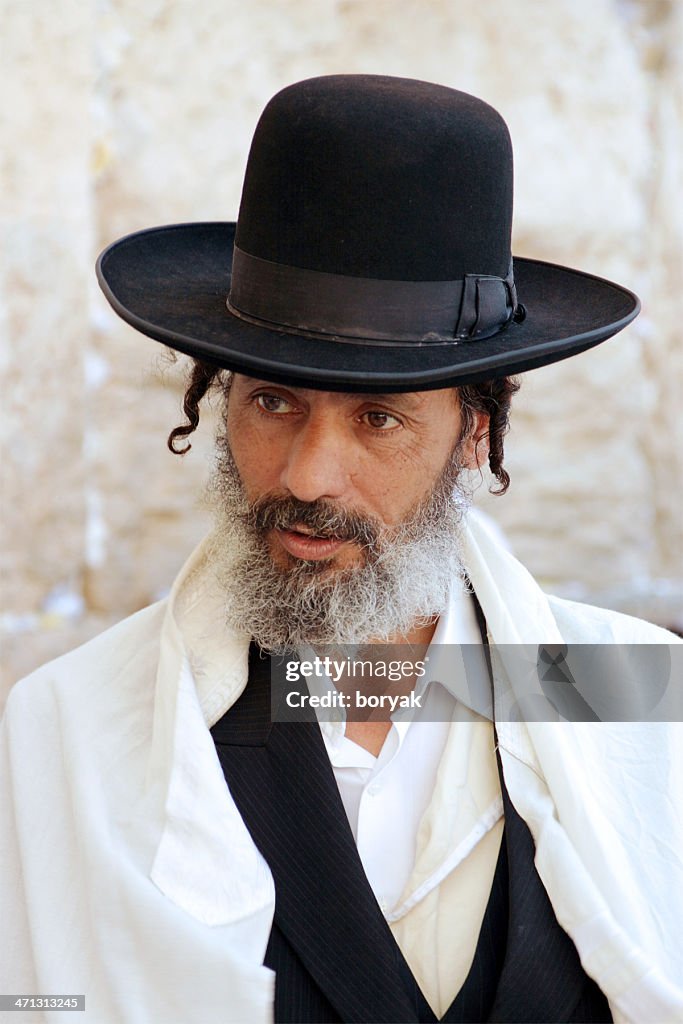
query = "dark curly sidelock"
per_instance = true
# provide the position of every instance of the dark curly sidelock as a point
(491, 397)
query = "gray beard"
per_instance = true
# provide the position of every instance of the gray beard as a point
(404, 580)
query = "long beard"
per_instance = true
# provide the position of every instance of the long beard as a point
(403, 580)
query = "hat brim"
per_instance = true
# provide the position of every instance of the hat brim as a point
(171, 284)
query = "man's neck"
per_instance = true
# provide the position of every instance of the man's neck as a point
(370, 735)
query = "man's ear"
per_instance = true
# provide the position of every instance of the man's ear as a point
(475, 449)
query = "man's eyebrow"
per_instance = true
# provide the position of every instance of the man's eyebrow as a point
(406, 400)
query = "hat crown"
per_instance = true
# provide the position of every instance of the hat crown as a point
(377, 177)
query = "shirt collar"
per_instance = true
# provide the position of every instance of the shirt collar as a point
(457, 626)
(455, 655)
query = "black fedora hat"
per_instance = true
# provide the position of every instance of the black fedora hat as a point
(372, 252)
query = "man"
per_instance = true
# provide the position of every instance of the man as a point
(180, 853)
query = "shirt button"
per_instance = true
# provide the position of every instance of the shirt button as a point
(383, 906)
(374, 789)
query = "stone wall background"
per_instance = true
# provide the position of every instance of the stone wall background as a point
(120, 115)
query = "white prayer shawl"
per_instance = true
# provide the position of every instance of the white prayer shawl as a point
(129, 875)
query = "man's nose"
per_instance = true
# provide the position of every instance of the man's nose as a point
(316, 463)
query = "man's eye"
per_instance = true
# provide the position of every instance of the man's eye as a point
(273, 403)
(379, 420)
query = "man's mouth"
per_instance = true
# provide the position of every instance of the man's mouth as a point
(312, 531)
(301, 542)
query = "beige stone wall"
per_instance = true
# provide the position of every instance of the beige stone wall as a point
(118, 115)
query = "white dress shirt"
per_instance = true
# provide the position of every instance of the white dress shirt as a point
(386, 796)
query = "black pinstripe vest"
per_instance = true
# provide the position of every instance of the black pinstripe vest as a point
(333, 953)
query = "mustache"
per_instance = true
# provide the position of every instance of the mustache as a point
(323, 518)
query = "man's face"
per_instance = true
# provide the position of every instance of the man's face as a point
(378, 456)
(336, 517)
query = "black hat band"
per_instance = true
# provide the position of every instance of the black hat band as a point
(297, 300)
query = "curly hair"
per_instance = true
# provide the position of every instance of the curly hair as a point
(491, 397)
